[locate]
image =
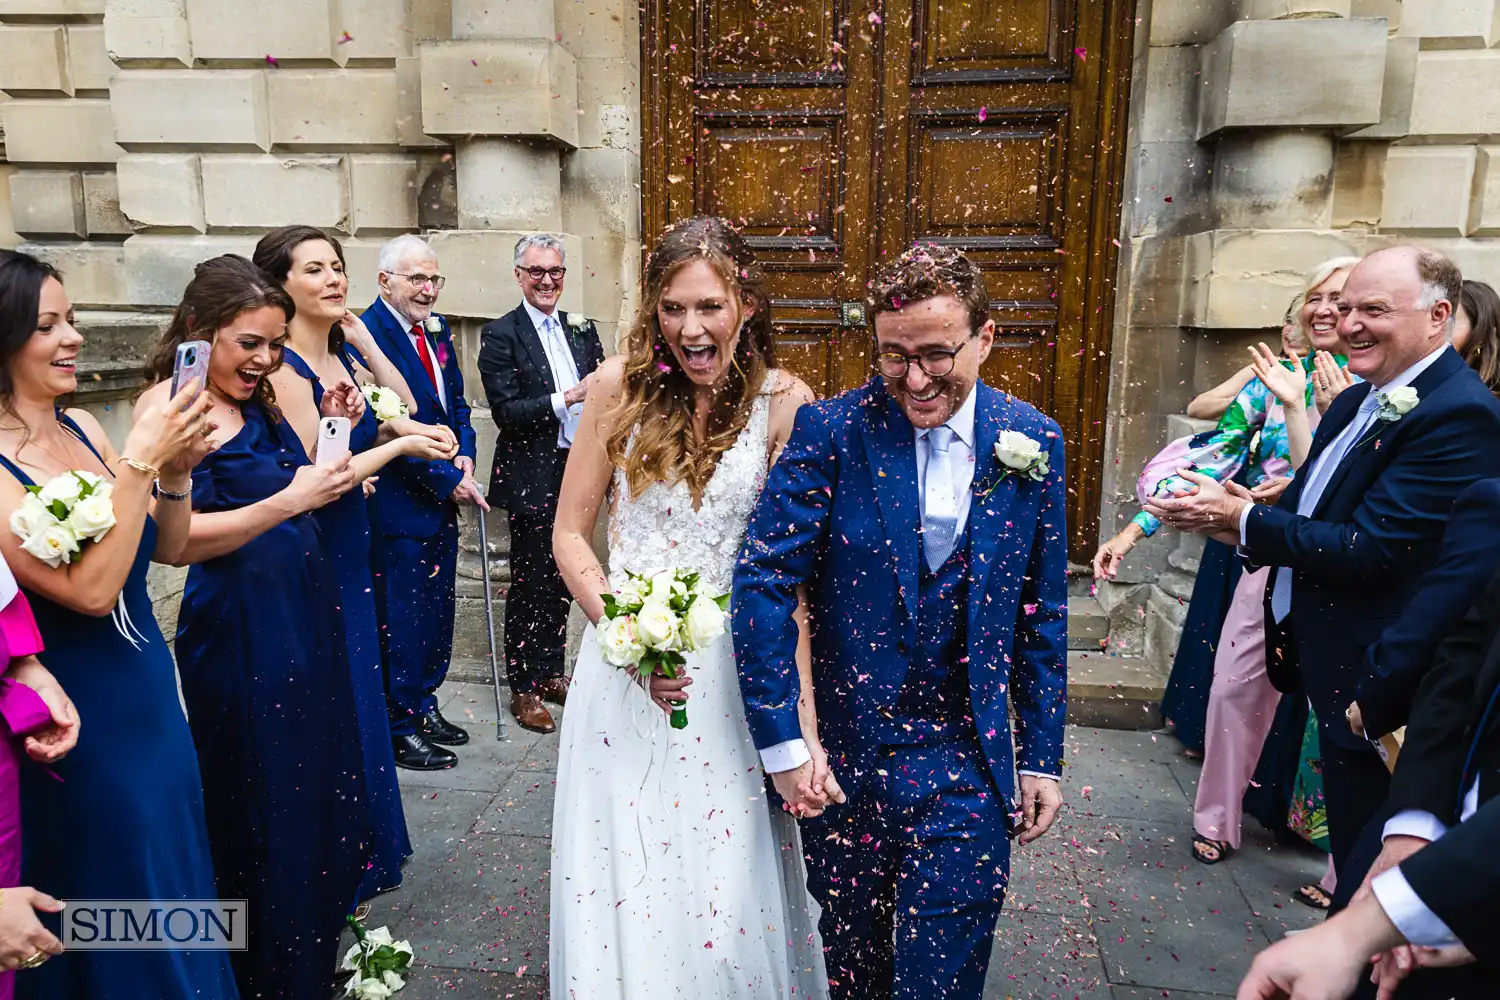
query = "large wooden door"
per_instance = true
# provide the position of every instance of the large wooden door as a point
(835, 133)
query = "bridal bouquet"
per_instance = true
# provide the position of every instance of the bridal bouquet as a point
(57, 519)
(651, 621)
(379, 964)
(384, 403)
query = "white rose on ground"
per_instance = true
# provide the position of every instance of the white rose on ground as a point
(617, 640)
(1402, 399)
(31, 518)
(656, 624)
(434, 325)
(367, 989)
(351, 957)
(1017, 451)
(66, 487)
(53, 545)
(404, 947)
(92, 517)
(392, 981)
(705, 622)
(378, 937)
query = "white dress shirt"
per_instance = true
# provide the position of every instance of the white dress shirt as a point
(564, 371)
(411, 338)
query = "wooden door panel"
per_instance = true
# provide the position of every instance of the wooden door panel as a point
(836, 133)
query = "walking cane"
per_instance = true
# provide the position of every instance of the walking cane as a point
(489, 623)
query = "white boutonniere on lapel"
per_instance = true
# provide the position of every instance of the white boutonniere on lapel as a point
(434, 325)
(1018, 455)
(1391, 407)
(578, 321)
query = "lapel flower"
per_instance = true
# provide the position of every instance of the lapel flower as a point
(1396, 404)
(1021, 455)
(434, 325)
(577, 320)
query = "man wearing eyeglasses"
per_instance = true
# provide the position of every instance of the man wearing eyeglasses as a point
(414, 513)
(536, 362)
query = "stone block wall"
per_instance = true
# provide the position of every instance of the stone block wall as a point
(1266, 136)
(141, 137)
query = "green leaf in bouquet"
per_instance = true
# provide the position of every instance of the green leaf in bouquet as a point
(33, 489)
(722, 601)
(611, 606)
(85, 488)
(58, 509)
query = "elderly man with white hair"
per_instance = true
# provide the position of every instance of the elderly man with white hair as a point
(536, 362)
(414, 513)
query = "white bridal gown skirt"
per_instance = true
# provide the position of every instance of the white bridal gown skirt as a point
(670, 875)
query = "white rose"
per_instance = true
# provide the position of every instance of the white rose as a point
(656, 624)
(1017, 451)
(378, 937)
(392, 981)
(105, 490)
(92, 517)
(617, 640)
(54, 545)
(31, 518)
(577, 320)
(1402, 399)
(368, 989)
(705, 622)
(351, 958)
(92, 479)
(665, 586)
(384, 403)
(434, 325)
(403, 947)
(65, 487)
(630, 590)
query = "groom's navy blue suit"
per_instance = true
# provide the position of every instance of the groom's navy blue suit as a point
(912, 669)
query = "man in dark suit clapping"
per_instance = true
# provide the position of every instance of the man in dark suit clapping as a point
(536, 362)
(1354, 532)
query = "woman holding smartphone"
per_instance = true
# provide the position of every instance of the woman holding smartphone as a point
(260, 644)
(320, 355)
(126, 820)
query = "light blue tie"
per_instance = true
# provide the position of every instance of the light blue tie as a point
(939, 505)
(1318, 480)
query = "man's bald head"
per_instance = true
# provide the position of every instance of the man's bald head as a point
(1397, 307)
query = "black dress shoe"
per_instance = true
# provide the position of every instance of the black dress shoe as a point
(416, 754)
(439, 730)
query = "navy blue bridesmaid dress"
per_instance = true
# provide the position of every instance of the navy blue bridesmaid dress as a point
(260, 647)
(345, 524)
(122, 816)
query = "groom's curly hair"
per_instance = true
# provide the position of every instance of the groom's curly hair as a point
(926, 271)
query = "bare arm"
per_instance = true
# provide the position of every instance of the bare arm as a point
(1290, 387)
(1211, 405)
(218, 533)
(584, 486)
(171, 516)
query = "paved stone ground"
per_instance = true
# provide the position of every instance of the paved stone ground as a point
(1109, 906)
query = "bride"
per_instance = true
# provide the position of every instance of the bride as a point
(672, 876)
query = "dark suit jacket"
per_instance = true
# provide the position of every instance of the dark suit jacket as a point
(1454, 732)
(1458, 879)
(1357, 560)
(415, 495)
(1470, 555)
(519, 384)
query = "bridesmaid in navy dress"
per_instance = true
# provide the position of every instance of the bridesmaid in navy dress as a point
(323, 338)
(127, 819)
(260, 647)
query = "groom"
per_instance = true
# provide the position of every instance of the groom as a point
(923, 513)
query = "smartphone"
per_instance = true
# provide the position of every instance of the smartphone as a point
(333, 440)
(191, 363)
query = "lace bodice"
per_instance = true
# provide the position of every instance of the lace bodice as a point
(661, 530)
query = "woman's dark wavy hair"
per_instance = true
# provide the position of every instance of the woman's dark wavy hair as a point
(273, 254)
(222, 288)
(1482, 353)
(21, 280)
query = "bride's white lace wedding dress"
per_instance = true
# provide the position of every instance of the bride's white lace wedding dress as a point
(670, 875)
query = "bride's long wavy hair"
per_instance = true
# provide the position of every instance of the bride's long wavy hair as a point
(656, 406)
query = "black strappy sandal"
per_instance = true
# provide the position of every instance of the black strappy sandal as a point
(1220, 848)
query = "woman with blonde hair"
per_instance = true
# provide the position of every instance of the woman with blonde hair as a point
(670, 877)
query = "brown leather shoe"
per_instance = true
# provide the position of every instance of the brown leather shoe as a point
(554, 689)
(531, 713)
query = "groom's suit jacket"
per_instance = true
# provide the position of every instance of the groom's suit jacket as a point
(1358, 559)
(840, 513)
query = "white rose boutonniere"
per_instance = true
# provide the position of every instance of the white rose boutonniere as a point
(1396, 404)
(384, 403)
(577, 320)
(1021, 455)
(434, 325)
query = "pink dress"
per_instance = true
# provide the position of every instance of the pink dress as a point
(21, 712)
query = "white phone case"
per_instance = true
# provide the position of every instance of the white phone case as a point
(333, 440)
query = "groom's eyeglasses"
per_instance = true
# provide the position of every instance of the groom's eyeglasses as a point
(936, 363)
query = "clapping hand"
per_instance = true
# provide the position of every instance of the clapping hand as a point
(1209, 510)
(1270, 490)
(1328, 380)
(1287, 385)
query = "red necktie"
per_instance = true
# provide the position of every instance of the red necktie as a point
(425, 354)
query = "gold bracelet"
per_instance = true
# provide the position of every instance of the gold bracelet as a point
(140, 466)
